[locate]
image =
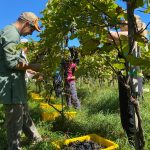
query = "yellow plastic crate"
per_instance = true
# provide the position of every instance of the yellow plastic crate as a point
(47, 116)
(45, 106)
(49, 113)
(93, 137)
(36, 96)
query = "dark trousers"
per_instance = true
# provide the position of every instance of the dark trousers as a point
(18, 120)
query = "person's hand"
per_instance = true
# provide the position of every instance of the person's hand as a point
(31, 71)
(21, 65)
(38, 76)
(73, 77)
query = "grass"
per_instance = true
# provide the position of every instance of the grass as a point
(99, 114)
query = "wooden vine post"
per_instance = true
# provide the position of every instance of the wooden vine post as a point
(133, 81)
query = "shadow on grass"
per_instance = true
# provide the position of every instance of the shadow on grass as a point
(35, 113)
(73, 128)
(65, 125)
(109, 105)
(82, 93)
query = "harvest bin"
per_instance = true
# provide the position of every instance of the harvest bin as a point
(49, 113)
(93, 137)
(36, 96)
(46, 106)
(52, 116)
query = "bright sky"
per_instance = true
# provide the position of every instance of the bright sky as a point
(145, 17)
(11, 9)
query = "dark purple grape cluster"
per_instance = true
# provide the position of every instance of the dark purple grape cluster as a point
(85, 145)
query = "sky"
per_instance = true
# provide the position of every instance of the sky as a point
(145, 17)
(139, 11)
(11, 9)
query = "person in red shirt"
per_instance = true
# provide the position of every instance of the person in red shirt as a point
(70, 84)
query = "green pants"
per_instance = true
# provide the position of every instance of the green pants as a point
(18, 120)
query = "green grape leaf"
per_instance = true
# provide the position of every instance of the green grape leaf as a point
(91, 44)
(119, 66)
(138, 61)
(125, 49)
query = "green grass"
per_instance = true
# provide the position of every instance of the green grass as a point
(99, 114)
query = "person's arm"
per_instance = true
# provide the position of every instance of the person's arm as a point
(13, 60)
(73, 77)
(25, 66)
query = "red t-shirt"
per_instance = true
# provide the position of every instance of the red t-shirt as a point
(70, 74)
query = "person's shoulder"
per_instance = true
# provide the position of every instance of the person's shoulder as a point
(11, 30)
(10, 33)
